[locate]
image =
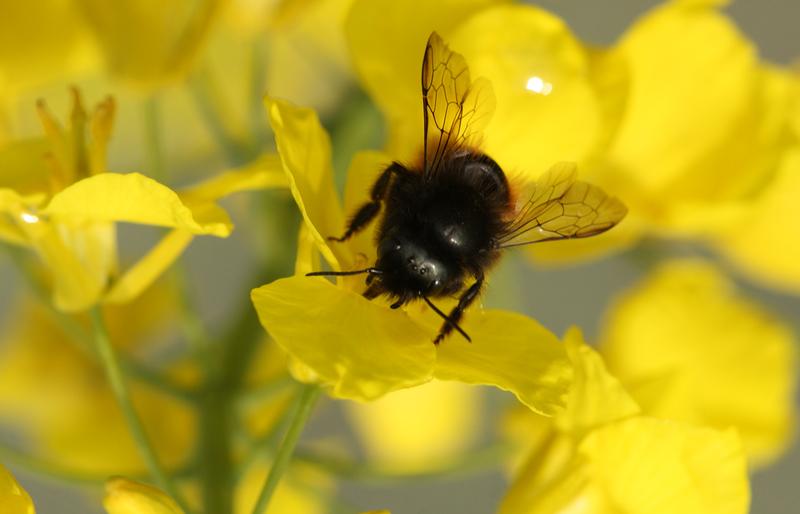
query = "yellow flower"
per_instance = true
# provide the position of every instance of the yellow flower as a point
(556, 100)
(362, 349)
(13, 498)
(689, 348)
(703, 123)
(447, 421)
(602, 456)
(149, 41)
(302, 490)
(56, 393)
(763, 240)
(65, 207)
(124, 496)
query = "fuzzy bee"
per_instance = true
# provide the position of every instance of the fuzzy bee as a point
(446, 221)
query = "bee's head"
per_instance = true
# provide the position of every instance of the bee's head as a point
(410, 267)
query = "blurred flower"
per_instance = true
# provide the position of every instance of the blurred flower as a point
(601, 455)
(13, 498)
(149, 41)
(688, 347)
(703, 124)
(447, 421)
(362, 349)
(763, 241)
(124, 496)
(65, 206)
(72, 416)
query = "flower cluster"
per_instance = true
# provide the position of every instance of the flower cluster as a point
(170, 373)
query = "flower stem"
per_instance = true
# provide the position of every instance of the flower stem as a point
(116, 379)
(301, 412)
(152, 131)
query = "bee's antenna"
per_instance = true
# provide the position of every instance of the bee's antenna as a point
(371, 271)
(446, 318)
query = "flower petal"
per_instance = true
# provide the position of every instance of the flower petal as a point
(132, 198)
(124, 496)
(512, 352)
(765, 242)
(726, 362)
(540, 74)
(360, 349)
(305, 152)
(387, 42)
(596, 397)
(682, 168)
(147, 269)
(13, 498)
(662, 467)
(447, 418)
(265, 172)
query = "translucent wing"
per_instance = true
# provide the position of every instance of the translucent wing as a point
(456, 109)
(560, 207)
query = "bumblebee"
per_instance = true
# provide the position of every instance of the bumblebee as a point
(446, 221)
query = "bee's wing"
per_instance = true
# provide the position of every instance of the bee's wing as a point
(558, 206)
(456, 109)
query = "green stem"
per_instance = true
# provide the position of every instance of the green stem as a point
(152, 133)
(216, 473)
(116, 379)
(301, 412)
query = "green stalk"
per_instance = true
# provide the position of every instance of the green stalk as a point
(116, 379)
(152, 133)
(301, 412)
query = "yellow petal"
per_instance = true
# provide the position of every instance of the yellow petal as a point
(132, 198)
(265, 172)
(360, 349)
(387, 41)
(55, 39)
(677, 166)
(511, 352)
(765, 242)
(124, 496)
(75, 287)
(727, 362)
(13, 498)
(305, 152)
(23, 166)
(447, 421)
(547, 110)
(361, 175)
(176, 31)
(661, 467)
(147, 269)
(596, 397)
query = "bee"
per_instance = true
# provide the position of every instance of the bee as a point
(447, 220)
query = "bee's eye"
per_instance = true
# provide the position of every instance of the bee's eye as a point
(423, 270)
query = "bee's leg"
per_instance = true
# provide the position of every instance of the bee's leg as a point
(369, 210)
(458, 311)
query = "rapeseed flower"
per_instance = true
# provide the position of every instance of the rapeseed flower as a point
(13, 498)
(59, 200)
(124, 496)
(690, 348)
(602, 454)
(362, 349)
